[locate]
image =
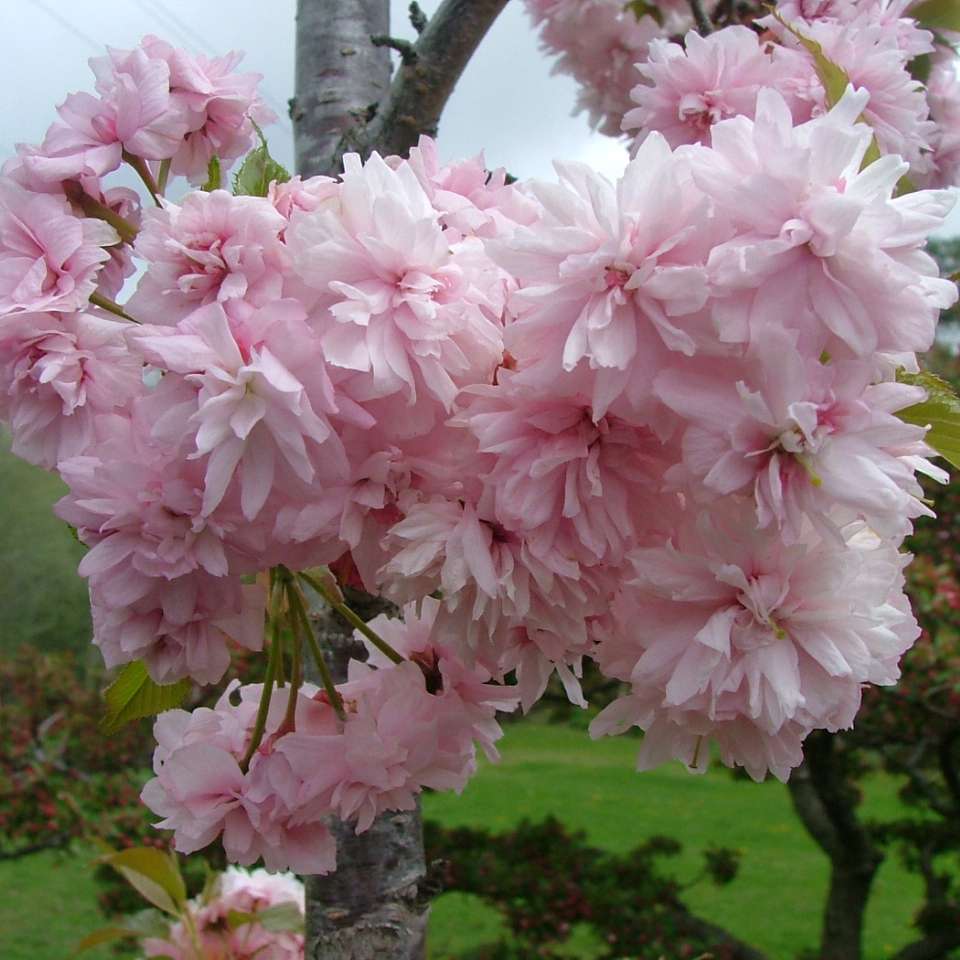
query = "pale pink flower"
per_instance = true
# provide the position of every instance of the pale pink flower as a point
(562, 475)
(254, 413)
(138, 110)
(820, 235)
(688, 88)
(179, 628)
(404, 306)
(201, 791)
(609, 276)
(221, 107)
(811, 440)
(49, 257)
(492, 580)
(57, 374)
(733, 630)
(943, 95)
(599, 42)
(242, 892)
(213, 247)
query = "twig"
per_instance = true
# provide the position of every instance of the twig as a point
(418, 18)
(105, 303)
(421, 87)
(140, 165)
(299, 608)
(407, 50)
(276, 651)
(704, 26)
(352, 617)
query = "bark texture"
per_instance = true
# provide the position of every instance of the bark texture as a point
(374, 906)
(826, 804)
(428, 74)
(340, 77)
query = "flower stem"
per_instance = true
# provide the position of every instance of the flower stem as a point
(140, 165)
(298, 607)
(276, 651)
(163, 176)
(296, 679)
(105, 303)
(94, 208)
(352, 617)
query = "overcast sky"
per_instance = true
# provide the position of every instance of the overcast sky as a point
(507, 103)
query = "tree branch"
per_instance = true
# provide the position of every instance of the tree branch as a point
(425, 79)
(704, 26)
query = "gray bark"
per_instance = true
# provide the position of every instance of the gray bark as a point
(374, 906)
(340, 77)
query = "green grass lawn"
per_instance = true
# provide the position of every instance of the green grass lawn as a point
(42, 600)
(774, 903)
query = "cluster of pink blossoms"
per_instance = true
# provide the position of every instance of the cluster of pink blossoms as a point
(651, 423)
(643, 68)
(227, 921)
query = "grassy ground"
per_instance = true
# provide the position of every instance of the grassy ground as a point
(42, 600)
(775, 903)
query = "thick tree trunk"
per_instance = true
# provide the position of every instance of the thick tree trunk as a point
(373, 907)
(340, 77)
(826, 801)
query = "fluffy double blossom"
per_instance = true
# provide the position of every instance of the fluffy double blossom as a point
(651, 424)
(254, 896)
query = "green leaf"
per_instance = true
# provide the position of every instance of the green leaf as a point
(154, 874)
(937, 14)
(214, 177)
(641, 9)
(98, 937)
(258, 171)
(835, 81)
(833, 77)
(280, 918)
(133, 695)
(940, 411)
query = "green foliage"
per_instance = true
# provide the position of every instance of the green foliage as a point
(43, 602)
(938, 14)
(154, 874)
(214, 175)
(258, 171)
(545, 880)
(133, 695)
(940, 411)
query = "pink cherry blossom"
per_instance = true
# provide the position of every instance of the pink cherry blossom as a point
(253, 413)
(816, 441)
(689, 88)
(213, 247)
(732, 629)
(818, 233)
(610, 275)
(49, 257)
(58, 373)
(402, 304)
(236, 891)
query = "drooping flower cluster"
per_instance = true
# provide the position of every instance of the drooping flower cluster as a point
(644, 67)
(652, 423)
(238, 918)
